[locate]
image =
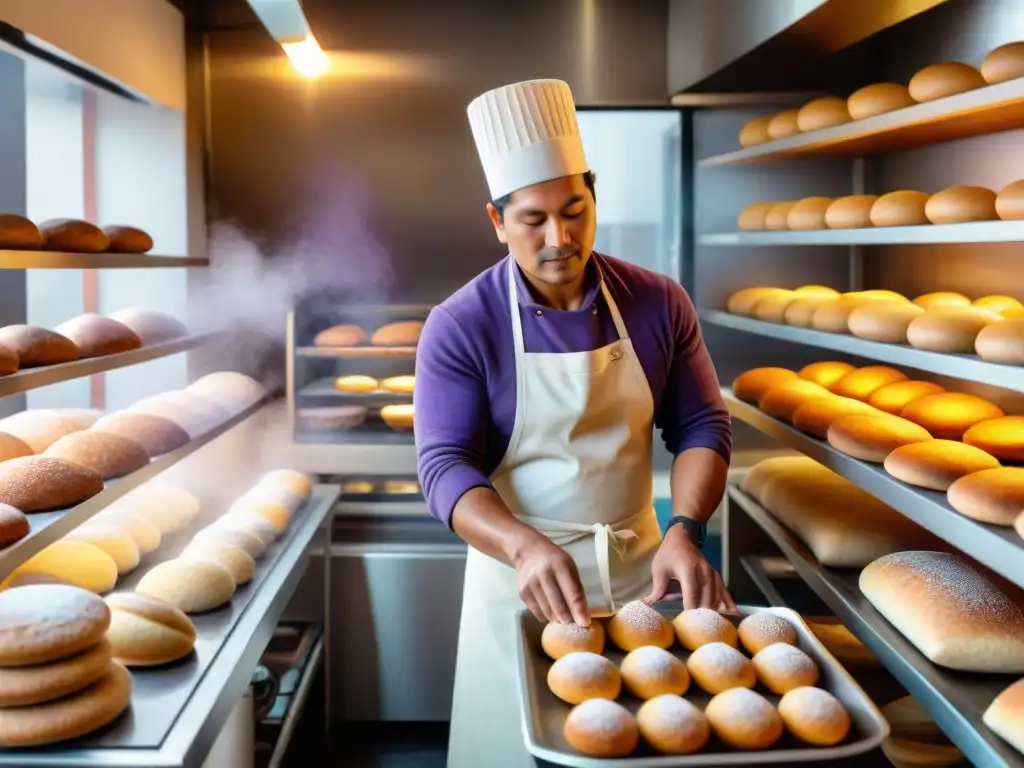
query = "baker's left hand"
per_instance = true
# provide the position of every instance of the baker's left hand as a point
(680, 560)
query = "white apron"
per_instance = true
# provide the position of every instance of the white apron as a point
(578, 469)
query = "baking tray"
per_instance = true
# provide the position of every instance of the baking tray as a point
(544, 714)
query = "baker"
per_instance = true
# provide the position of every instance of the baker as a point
(538, 387)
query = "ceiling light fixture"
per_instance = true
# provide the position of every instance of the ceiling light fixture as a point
(287, 24)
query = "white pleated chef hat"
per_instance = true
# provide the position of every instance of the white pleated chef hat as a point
(526, 133)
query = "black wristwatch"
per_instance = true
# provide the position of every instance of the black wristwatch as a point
(696, 532)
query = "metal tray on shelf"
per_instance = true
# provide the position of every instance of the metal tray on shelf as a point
(544, 714)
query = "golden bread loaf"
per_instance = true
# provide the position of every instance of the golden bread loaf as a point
(40, 484)
(107, 455)
(816, 416)
(755, 131)
(950, 329)
(823, 112)
(115, 541)
(97, 336)
(937, 81)
(777, 218)
(1002, 342)
(800, 312)
(850, 212)
(1010, 202)
(755, 478)
(883, 321)
(872, 437)
(949, 415)
(958, 205)
(878, 99)
(125, 239)
(808, 213)
(937, 464)
(994, 496)
(345, 335)
(356, 384)
(68, 563)
(825, 373)
(752, 218)
(249, 543)
(1003, 437)
(893, 398)
(1001, 64)
(743, 301)
(19, 234)
(782, 400)
(400, 385)
(46, 622)
(12, 447)
(942, 300)
(37, 346)
(864, 382)
(772, 309)
(73, 235)
(402, 334)
(145, 631)
(784, 124)
(903, 208)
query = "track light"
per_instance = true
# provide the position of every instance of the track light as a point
(287, 24)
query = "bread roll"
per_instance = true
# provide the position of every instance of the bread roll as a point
(650, 671)
(755, 131)
(39, 484)
(937, 81)
(579, 676)
(332, 418)
(782, 400)
(873, 437)
(14, 525)
(46, 622)
(826, 373)
(951, 612)
(18, 233)
(778, 216)
(249, 543)
(752, 218)
(823, 112)
(948, 415)
(150, 326)
(398, 417)
(169, 508)
(636, 624)
(672, 725)
(38, 429)
(755, 478)
(743, 301)
(958, 205)
(800, 312)
(178, 407)
(864, 382)
(903, 208)
(808, 213)
(340, 336)
(402, 334)
(851, 212)
(1006, 713)
(1010, 202)
(147, 537)
(936, 464)
(893, 398)
(273, 493)
(878, 99)
(1001, 437)
(239, 564)
(816, 416)
(813, 290)
(125, 239)
(772, 309)
(751, 385)
(784, 124)
(107, 455)
(953, 329)
(717, 667)
(840, 642)
(277, 515)
(192, 586)
(70, 563)
(145, 631)
(36, 346)
(38, 683)
(942, 300)
(1001, 64)
(254, 525)
(12, 447)
(699, 626)
(400, 385)
(601, 728)
(114, 541)
(759, 630)
(1002, 342)
(994, 495)
(97, 336)
(558, 640)
(998, 304)
(833, 316)
(878, 294)
(156, 435)
(814, 716)
(83, 418)
(229, 389)
(782, 667)
(883, 321)
(356, 384)
(744, 719)
(73, 235)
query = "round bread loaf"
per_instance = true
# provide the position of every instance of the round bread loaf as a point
(1010, 202)
(559, 640)
(942, 300)
(784, 124)
(833, 316)
(752, 218)
(398, 417)
(46, 622)
(937, 81)
(1002, 437)
(993, 496)
(147, 537)
(345, 335)
(772, 309)
(814, 716)
(883, 321)
(229, 389)
(37, 346)
(823, 112)
(937, 464)
(38, 429)
(14, 525)
(759, 630)
(277, 515)
(699, 626)
(755, 131)
(357, 384)
(156, 435)
(19, 234)
(637, 624)
(169, 508)
(239, 564)
(1005, 714)
(949, 415)
(145, 631)
(333, 417)
(755, 478)
(782, 400)
(35, 684)
(109, 538)
(751, 385)
(125, 239)
(1002, 342)
(903, 208)
(800, 312)
(39, 483)
(816, 416)
(743, 301)
(650, 671)
(149, 325)
(808, 213)
(850, 212)
(893, 398)
(1001, 64)
(97, 336)
(296, 482)
(998, 304)
(825, 373)
(951, 329)
(672, 725)
(878, 99)
(192, 586)
(958, 205)
(249, 543)
(744, 719)
(864, 382)
(401, 334)
(873, 437)
(73, 236)
(67, 563)
(601, 728)
(777, 219)
(581, 675)
(400, 385)
(254, 525)
(717, 667)
(782, 667)
(107, 455)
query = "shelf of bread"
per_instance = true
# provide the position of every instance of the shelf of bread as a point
(61, 467)
(949, 632)
(362, 388)
(395, 339)
(68, 260)
(933, 234)
(942, 102)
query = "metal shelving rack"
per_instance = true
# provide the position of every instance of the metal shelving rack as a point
(68, 260)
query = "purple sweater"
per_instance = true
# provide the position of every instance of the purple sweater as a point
(465, 369)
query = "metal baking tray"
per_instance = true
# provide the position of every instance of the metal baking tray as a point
(544, 714)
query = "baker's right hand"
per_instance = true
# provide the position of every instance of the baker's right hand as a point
(549, 584)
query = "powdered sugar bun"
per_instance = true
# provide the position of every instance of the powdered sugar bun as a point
(602, 728)
(782, 667)
(581, 675)
(46, 622)
(700, 626)
(558, 639)
(815, 716)
(650, 671)
(744, 719)
(717, 667)
(638, 624)
(759, 630)
(672, 725)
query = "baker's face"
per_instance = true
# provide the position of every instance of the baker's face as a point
(549, 229)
